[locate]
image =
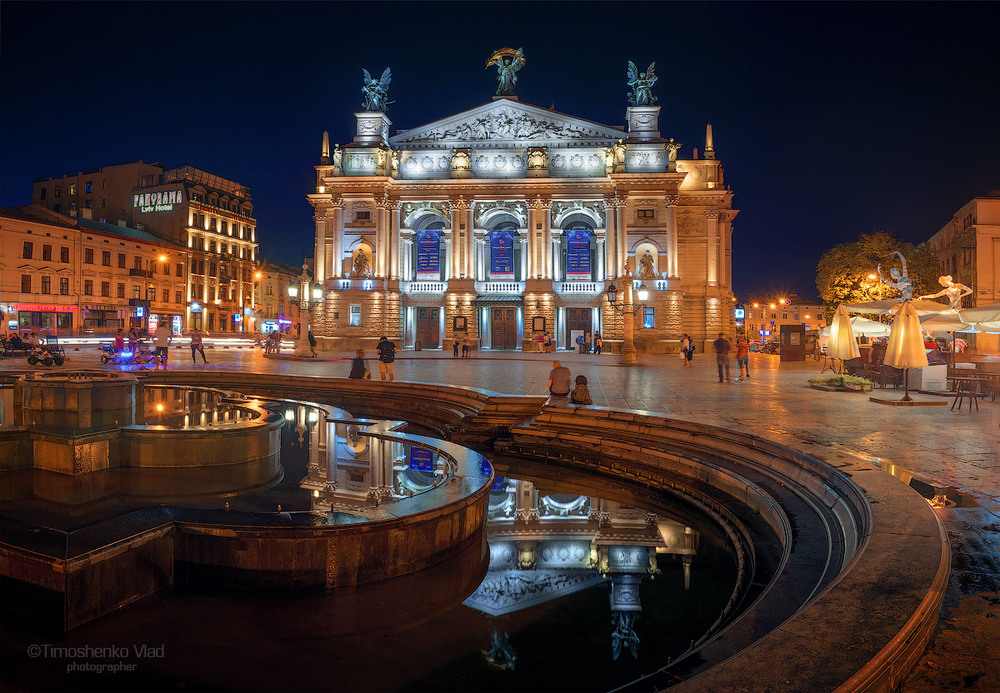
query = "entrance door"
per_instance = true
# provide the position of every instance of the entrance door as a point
(504, 328)
(577, 323)
(428, 327)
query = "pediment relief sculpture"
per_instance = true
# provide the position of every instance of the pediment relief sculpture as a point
(517, 209)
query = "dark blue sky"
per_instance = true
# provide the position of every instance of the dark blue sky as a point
(831, 120)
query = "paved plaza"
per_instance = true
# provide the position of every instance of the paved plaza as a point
(952, 454)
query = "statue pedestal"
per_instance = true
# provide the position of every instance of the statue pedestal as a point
(643, 123)
(373, 128)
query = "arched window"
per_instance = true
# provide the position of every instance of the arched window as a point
(428, 250)
(505, 252)
(579, 252)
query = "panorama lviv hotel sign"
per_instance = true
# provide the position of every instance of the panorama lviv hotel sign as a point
(159, 201)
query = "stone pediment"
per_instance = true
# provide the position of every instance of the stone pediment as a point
(505, 124)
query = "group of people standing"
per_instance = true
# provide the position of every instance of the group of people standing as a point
(722, 349)
(588, 344)
(456, 343)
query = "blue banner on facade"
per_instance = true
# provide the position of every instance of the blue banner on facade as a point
(421, 459)
(428, 251)
(502, 253)
(578, 254)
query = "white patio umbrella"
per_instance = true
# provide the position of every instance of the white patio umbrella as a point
(843, 344)
(890, 306)
(862, 327)
(947, 321)
(906, 344)
(987, 318)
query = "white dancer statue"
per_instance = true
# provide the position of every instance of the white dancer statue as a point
(953, 290)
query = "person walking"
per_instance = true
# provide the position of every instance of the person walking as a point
(161, 342)
(312, 343)
(560, 381)
(687, 350)
(722, 348)
(743, 358)
(580, 394)
(358, 369)
(598, 342)
(386, 355)
(197, 346)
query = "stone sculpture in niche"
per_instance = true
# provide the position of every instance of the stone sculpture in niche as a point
(646, 267)
(362, 266)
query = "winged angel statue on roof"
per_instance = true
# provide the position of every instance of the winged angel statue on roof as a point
(376, 91)
(642, 85)
(508, 62)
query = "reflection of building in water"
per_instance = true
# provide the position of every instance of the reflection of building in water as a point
(545, 545)
(359, 467)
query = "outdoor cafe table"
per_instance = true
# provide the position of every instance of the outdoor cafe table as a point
(965, 387)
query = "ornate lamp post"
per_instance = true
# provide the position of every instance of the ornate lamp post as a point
(293, 294)
(628, 309)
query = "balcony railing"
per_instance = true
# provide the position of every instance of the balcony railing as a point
(140, 273)
(362, 284)
(592, 288)
(500, 287)
(424, 287)
(651, 284)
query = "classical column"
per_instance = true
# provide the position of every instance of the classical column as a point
(611, 242)
(459, 208)
(599, 275)
(555, 254)
(547, 273)
(522, 236)
(320, 253)
(622, 232)
(382, 238)
(470, 242)
(712, 247)
(449, 254)
(533, 209)
(723, 231)
(672, 266)
(480, 268)
(337, 261)
(394, 238)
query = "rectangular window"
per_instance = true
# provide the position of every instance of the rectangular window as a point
(136, 291)
(72, 188)
(57, 208)
(211, 268)
(64, 286)
(72, 206)
(46, 285)
(784, 316)
(88, 287)
(42, 192)
(355, 320)
(58, 191)
(64, 254)
(88, 256)
(47, 252)
(178, 297)
(106, 258)
(211, 293)
(88, 203)
(88, 187)
(180, 269)
(121, 290)
(211, 321)
(25, 283)
(105, 288)
(646, 214)
(121, 259)
(166, 268)
(648, 318)
(166, 295)
(137, 262)
(796, 316)
(211, 246)
(28, 250)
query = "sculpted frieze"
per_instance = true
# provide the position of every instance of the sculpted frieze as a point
(411, 211)
(561, 208)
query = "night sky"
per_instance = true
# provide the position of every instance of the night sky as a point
(831, 120)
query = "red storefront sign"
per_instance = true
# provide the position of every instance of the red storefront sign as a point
(42, 309)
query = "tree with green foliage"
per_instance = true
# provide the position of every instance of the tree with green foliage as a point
(846, 273)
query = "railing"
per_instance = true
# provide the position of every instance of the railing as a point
(593, 288)
(363, 284)
(424, 287)
(140, 273)
(651, 284)
(500, 287)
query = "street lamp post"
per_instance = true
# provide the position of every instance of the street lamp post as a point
(303, 302)
(628, 310)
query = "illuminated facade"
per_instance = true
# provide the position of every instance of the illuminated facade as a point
(506, 221)
(67, 276)
(209, 216)
(275, 309)
(968, 248)
(764, 315)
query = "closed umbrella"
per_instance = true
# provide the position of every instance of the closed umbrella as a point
(906, 344)
(842, 344)
(863, 327)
